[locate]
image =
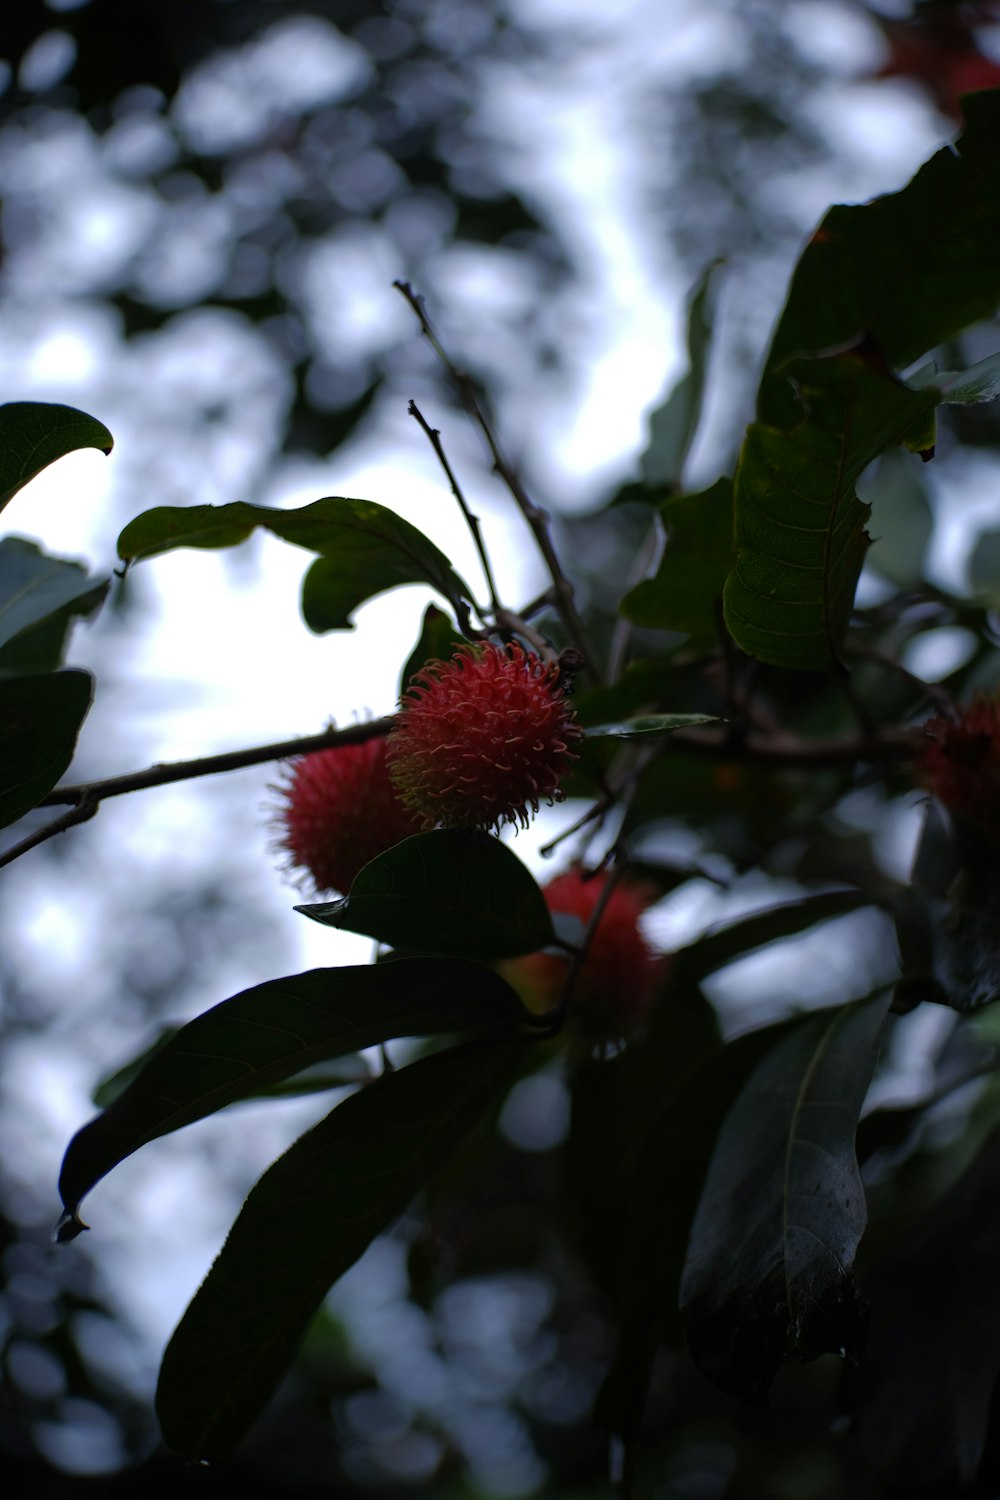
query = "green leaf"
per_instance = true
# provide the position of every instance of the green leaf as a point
(687, 589)
(33, 434)
(922, 1399)
(40, 718)
(275, 1030)
(454, 890)
(980, 383)
(438, 639)
(984, 567)
(346, 1071)
(800, 534)
(660, 1172)
(363, 549)
(38, 597)
(770, 1263)
(305, 1223)
(650, 726)
(909, 270)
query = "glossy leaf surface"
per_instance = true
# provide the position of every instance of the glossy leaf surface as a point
(908, 270)
(454, 891)
(363, 549)
(921, 1399)
(686, 593)
(275, 1030)
(34, 434)
(305, 1223)
(770, 1264)
(40, 718)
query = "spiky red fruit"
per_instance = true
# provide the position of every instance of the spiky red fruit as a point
(481, 739)
(339, 811)
(617, 984)
(961, 762)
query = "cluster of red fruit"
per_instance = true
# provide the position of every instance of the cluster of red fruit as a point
(478, 742)
(960, 763)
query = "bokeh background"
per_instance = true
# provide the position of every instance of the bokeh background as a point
(204, 206)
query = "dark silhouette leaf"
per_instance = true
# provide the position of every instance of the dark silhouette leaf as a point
(268, 1033)
(686, 593)
(454, 890)
(363, 549)
(921, 1399)
(438, 640)
(40, 718)
(770, 1264)
(910, 269)
(305, 1223)
(37, 591)
(33, 434)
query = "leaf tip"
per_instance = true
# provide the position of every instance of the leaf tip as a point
(69, 1226)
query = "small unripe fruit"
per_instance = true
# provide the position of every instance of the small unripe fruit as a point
(339, 811)
(961, 763)
(618, 981)
(482, 739)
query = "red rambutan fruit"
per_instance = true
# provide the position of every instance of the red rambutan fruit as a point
(619, 978)
(339, 810)
(960, 763)
(481, 739)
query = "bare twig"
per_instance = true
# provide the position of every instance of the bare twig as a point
(537, 519)
(434, 438)
(79, 813)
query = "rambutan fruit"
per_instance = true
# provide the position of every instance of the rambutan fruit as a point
(960, 763)
(338, 811)
(481, 739)
(619, 978)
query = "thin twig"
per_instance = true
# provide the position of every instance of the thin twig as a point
(163, 774)
(472, 521)
(933, 692)
(537, 519)
(83, 810)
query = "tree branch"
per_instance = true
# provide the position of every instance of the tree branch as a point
(537, 519)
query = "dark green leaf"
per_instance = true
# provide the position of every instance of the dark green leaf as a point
(770, 1264)
(981, 382)
(800, 534)
(40, 718)
(650, 726)
(984, 567)
(33, 434)
(347, 1070)
(909, 270)
(363, 549)
(686, 593)
(275, 1030)
(305, 1223)
(660, 1175)
(453, 890)
(438, 640)
(921, 1400)
(38, 597)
